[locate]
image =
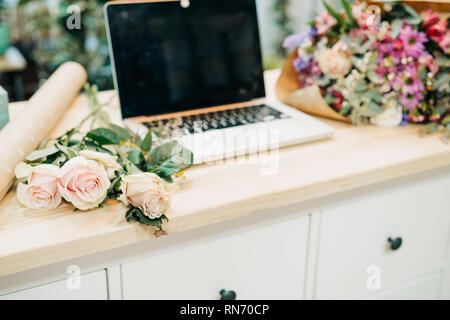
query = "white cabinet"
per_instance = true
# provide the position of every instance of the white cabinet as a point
(264, 263)
(353, 242)
(92, 286)
(427, 288)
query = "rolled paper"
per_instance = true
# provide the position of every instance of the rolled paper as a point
(35, 121)
(308, 99)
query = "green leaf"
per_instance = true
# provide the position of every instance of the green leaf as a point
(414, 17)
(136, 157)
(443, 78)
(354, 101)
(40, 154)
(334, 14)
(104, 136)
(169, 158)
(69, 152)
(396, 25)
(136, 215)
(114, 191)
(96, 147)
(373, 76)
(130, 167)
(43, 144)
(373, 95)
(372, 109)
(361, 86)
(348, 10)
(146, 144)
(345, 111)
(121, 132)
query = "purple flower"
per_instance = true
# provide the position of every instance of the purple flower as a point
(300, 64)
(412, 85)
(295, 40)
(410, 101)
(387, 50)
(411, 82)
(404, 120)
(413, 41)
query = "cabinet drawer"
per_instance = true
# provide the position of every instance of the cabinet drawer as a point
(93, 286)
(427, 288)
(264, 263)
(354, 236)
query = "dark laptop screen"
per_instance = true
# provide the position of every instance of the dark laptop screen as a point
(169, 58)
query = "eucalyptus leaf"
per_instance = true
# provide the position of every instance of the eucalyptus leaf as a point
(414, 17)
(373, 95)
(373, 76)
(361, 86)
(40, 154)
(443, 78)
(371, 109)
(396, 25)
(69, 152)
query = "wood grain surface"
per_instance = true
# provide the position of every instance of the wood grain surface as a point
(354, 157)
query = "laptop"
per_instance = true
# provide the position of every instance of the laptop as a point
(200, 61)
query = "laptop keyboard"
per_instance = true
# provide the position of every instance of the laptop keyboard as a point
(227, 118)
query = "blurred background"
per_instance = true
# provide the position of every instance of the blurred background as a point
(35, 40)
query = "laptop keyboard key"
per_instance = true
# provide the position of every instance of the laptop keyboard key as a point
(228, 118)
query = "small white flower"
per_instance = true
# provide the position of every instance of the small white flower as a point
(391, 117)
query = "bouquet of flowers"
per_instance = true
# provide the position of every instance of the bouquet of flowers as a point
(383, 64)
(110, 162)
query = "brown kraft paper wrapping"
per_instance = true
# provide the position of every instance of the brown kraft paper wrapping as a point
(308, 99)
(34, 123)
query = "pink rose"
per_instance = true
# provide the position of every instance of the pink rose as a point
(365, 17)
(445, 42)
(147, 192)
(429, 18)
(428, 61)
(333, 63)
(41, 190)
(324, 22)
(83, 182)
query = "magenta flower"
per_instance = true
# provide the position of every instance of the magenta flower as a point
(410, 101)
(411, 81)
(413, 41)
(412, 85)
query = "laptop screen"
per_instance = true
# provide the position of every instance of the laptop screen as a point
(168, 58)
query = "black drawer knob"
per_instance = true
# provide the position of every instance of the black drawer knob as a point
(227, 295)
(395, 244)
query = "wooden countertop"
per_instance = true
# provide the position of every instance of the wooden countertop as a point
(355, 157)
